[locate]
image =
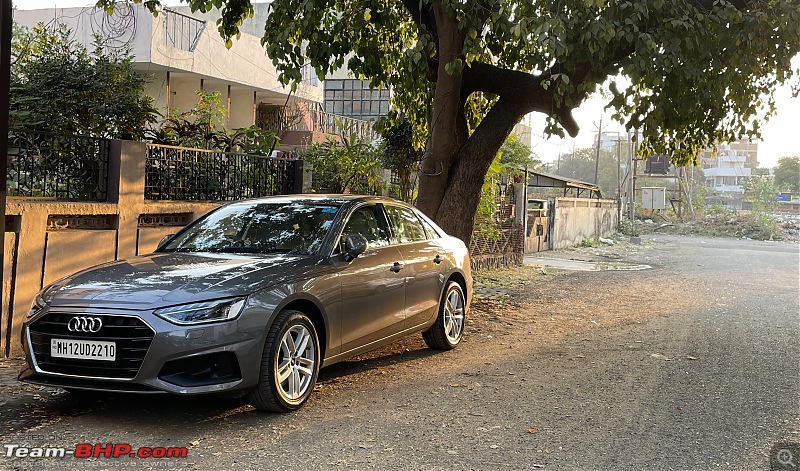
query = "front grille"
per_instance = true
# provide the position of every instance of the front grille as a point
(131, 335)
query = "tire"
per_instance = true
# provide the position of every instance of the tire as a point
(287, 377)
(447, 331)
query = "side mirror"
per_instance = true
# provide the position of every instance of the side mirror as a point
(355, 245)
(164, 241)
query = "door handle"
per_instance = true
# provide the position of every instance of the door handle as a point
(438, 259)
(396, 267)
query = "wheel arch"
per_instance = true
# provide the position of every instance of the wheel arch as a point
(459, 278)
(315, 313)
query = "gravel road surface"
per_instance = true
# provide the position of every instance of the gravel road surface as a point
(691, 364)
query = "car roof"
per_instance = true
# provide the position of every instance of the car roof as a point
(316, 197)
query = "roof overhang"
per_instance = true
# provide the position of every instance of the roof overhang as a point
(577, 187)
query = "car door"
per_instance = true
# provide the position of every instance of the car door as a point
(422, 257)
(373, 284)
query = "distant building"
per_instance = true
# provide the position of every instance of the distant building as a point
(523, 133)
(743, 147)
(725, 172)
(609, 140)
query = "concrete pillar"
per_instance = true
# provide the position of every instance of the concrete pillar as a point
(28, 280)
(126, 171)
(228, 110)
(169, 92)
(302, 176)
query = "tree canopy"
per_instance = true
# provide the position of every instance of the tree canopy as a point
(516, 154)
(762, 192)
(580, 165)
(688, 73)
(58, 85)
(787, 174)
(397, 153)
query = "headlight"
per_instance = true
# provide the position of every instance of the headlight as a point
(42, 299)
(202, 313)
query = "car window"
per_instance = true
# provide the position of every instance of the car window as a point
(406, 224)
(370, 222)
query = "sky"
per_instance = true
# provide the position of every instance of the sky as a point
(779, 134)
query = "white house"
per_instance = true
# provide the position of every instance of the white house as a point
(725, 171)
(184, 54)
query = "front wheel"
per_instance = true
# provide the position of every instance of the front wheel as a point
(289, 364)
(448, 329)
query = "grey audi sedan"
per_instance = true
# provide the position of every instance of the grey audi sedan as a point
(253, 297)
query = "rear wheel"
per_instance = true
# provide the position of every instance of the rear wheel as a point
(289, 364)
(448, 329)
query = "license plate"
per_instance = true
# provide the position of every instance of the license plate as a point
(83, 349)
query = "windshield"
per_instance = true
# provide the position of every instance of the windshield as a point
(297, 228)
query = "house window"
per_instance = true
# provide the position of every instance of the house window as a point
(355, 98)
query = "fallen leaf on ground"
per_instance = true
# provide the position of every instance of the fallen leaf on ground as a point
(660, 357)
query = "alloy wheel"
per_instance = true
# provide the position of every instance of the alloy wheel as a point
(295, 363)
(454, 316)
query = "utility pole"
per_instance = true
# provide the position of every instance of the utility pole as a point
(632, 173)
(597, 153)
(619, 183)
(6, 25)
(687, 190)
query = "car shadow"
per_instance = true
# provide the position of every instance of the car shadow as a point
(403, 351)
(148, 413)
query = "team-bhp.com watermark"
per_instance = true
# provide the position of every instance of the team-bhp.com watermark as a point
(97, 450)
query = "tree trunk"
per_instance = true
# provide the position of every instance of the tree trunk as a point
(448, 114)
(455, 164)
(462, 192)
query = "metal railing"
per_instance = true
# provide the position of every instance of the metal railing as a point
(181, 31)
(329, 123)
(53, 166)
(183, 174)
(311, 117)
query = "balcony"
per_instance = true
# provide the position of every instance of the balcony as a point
(739, 172)
(723, 189)
(301, 123)
(181, 31)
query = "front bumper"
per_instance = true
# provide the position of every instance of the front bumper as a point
(153, 355)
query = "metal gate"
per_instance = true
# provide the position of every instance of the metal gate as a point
(539, 224)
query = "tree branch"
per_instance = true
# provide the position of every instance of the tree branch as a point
(527, 91)
(426, 24)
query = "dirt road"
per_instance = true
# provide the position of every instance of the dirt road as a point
(690, 364)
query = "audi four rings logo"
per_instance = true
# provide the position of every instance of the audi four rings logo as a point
(85, 324)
